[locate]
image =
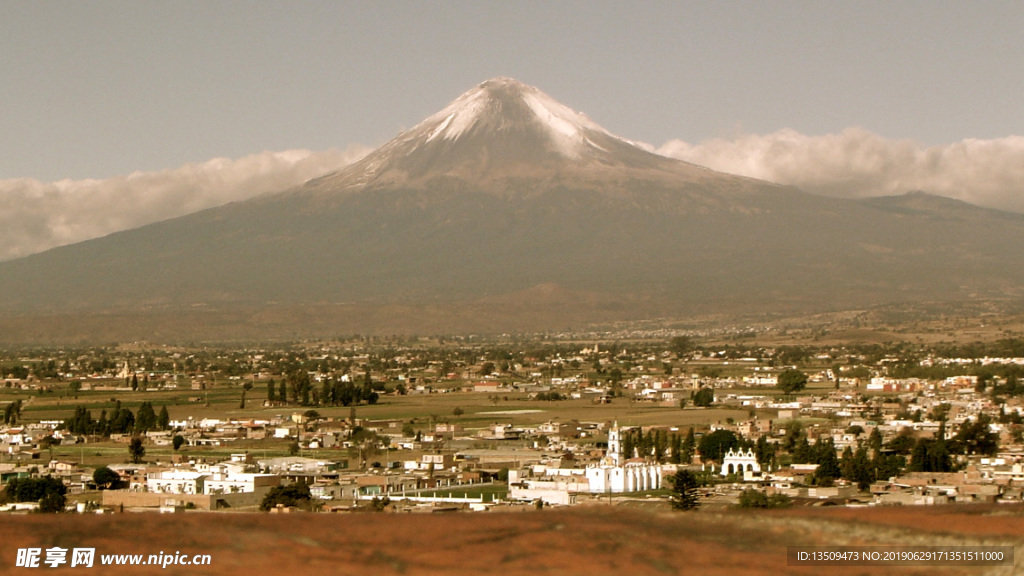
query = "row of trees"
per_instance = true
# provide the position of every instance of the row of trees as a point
(296, 388)
(659, 444)
(12, 413)
(121, 421)
(48, 491)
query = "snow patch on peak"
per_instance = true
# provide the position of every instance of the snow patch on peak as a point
(500, 104)
(566, 127)
(459, 116)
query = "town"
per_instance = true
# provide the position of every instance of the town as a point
(464, 423)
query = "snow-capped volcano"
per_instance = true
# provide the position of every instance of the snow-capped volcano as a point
(497, 106)
(499, 129)
(507, 211)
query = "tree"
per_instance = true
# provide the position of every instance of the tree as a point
(163, 419)
(930, 455)
(458, 411)
(292, 495)
(975, 437)
(177, 441)
(875, 440)
(684, 491)
(688, 446)
(13, 412)
(380, 504)
(714, 446)
(753, 498)
(828, 465)
(676, 449)
(145, 419)
(904, 441)
(704, 397)
(136, 450)
(682, 346)
(52, 503)
(792, 381)
(271, 392)
(106, 479)
(764, 451)
(48, 491)
(860, 470)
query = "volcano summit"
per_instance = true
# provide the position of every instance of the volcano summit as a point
(507, 210)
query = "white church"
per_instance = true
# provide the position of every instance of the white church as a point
(613, 475)
(740, 462)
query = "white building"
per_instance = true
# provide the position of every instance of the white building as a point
(615, 476)
(611, 476)
(176, 482)
(740, 462)
(234, 483)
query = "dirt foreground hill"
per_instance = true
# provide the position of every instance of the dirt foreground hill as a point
(586, 541)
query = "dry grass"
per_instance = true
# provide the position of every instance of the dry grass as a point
(593, 540)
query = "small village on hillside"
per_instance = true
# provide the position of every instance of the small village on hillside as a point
(418, 426)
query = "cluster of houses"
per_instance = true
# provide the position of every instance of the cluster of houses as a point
(547, 462)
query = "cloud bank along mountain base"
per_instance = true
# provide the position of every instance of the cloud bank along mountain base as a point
(857, 163)
(35, 216)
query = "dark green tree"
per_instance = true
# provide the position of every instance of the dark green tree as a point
(684, 491)
(176, 441)
(688, 447)
(875, 440)
(975, 437)
(145, 419)
(765, 452)
(136, 450)
(52, 503)
(863, 472)
(828, 464)
(753, 498)
(713, 446)
(676, 449)
(297, 494)
(163, 419)
(904, 441)
(792, 381)
(106, 479)
(48, 491)
(682, 346)
(704, 397)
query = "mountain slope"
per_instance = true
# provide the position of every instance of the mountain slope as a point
(506, 190)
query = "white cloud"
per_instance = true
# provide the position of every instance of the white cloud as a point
(857, 163)
(35, 216)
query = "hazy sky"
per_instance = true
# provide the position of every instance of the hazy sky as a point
(102, 89)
